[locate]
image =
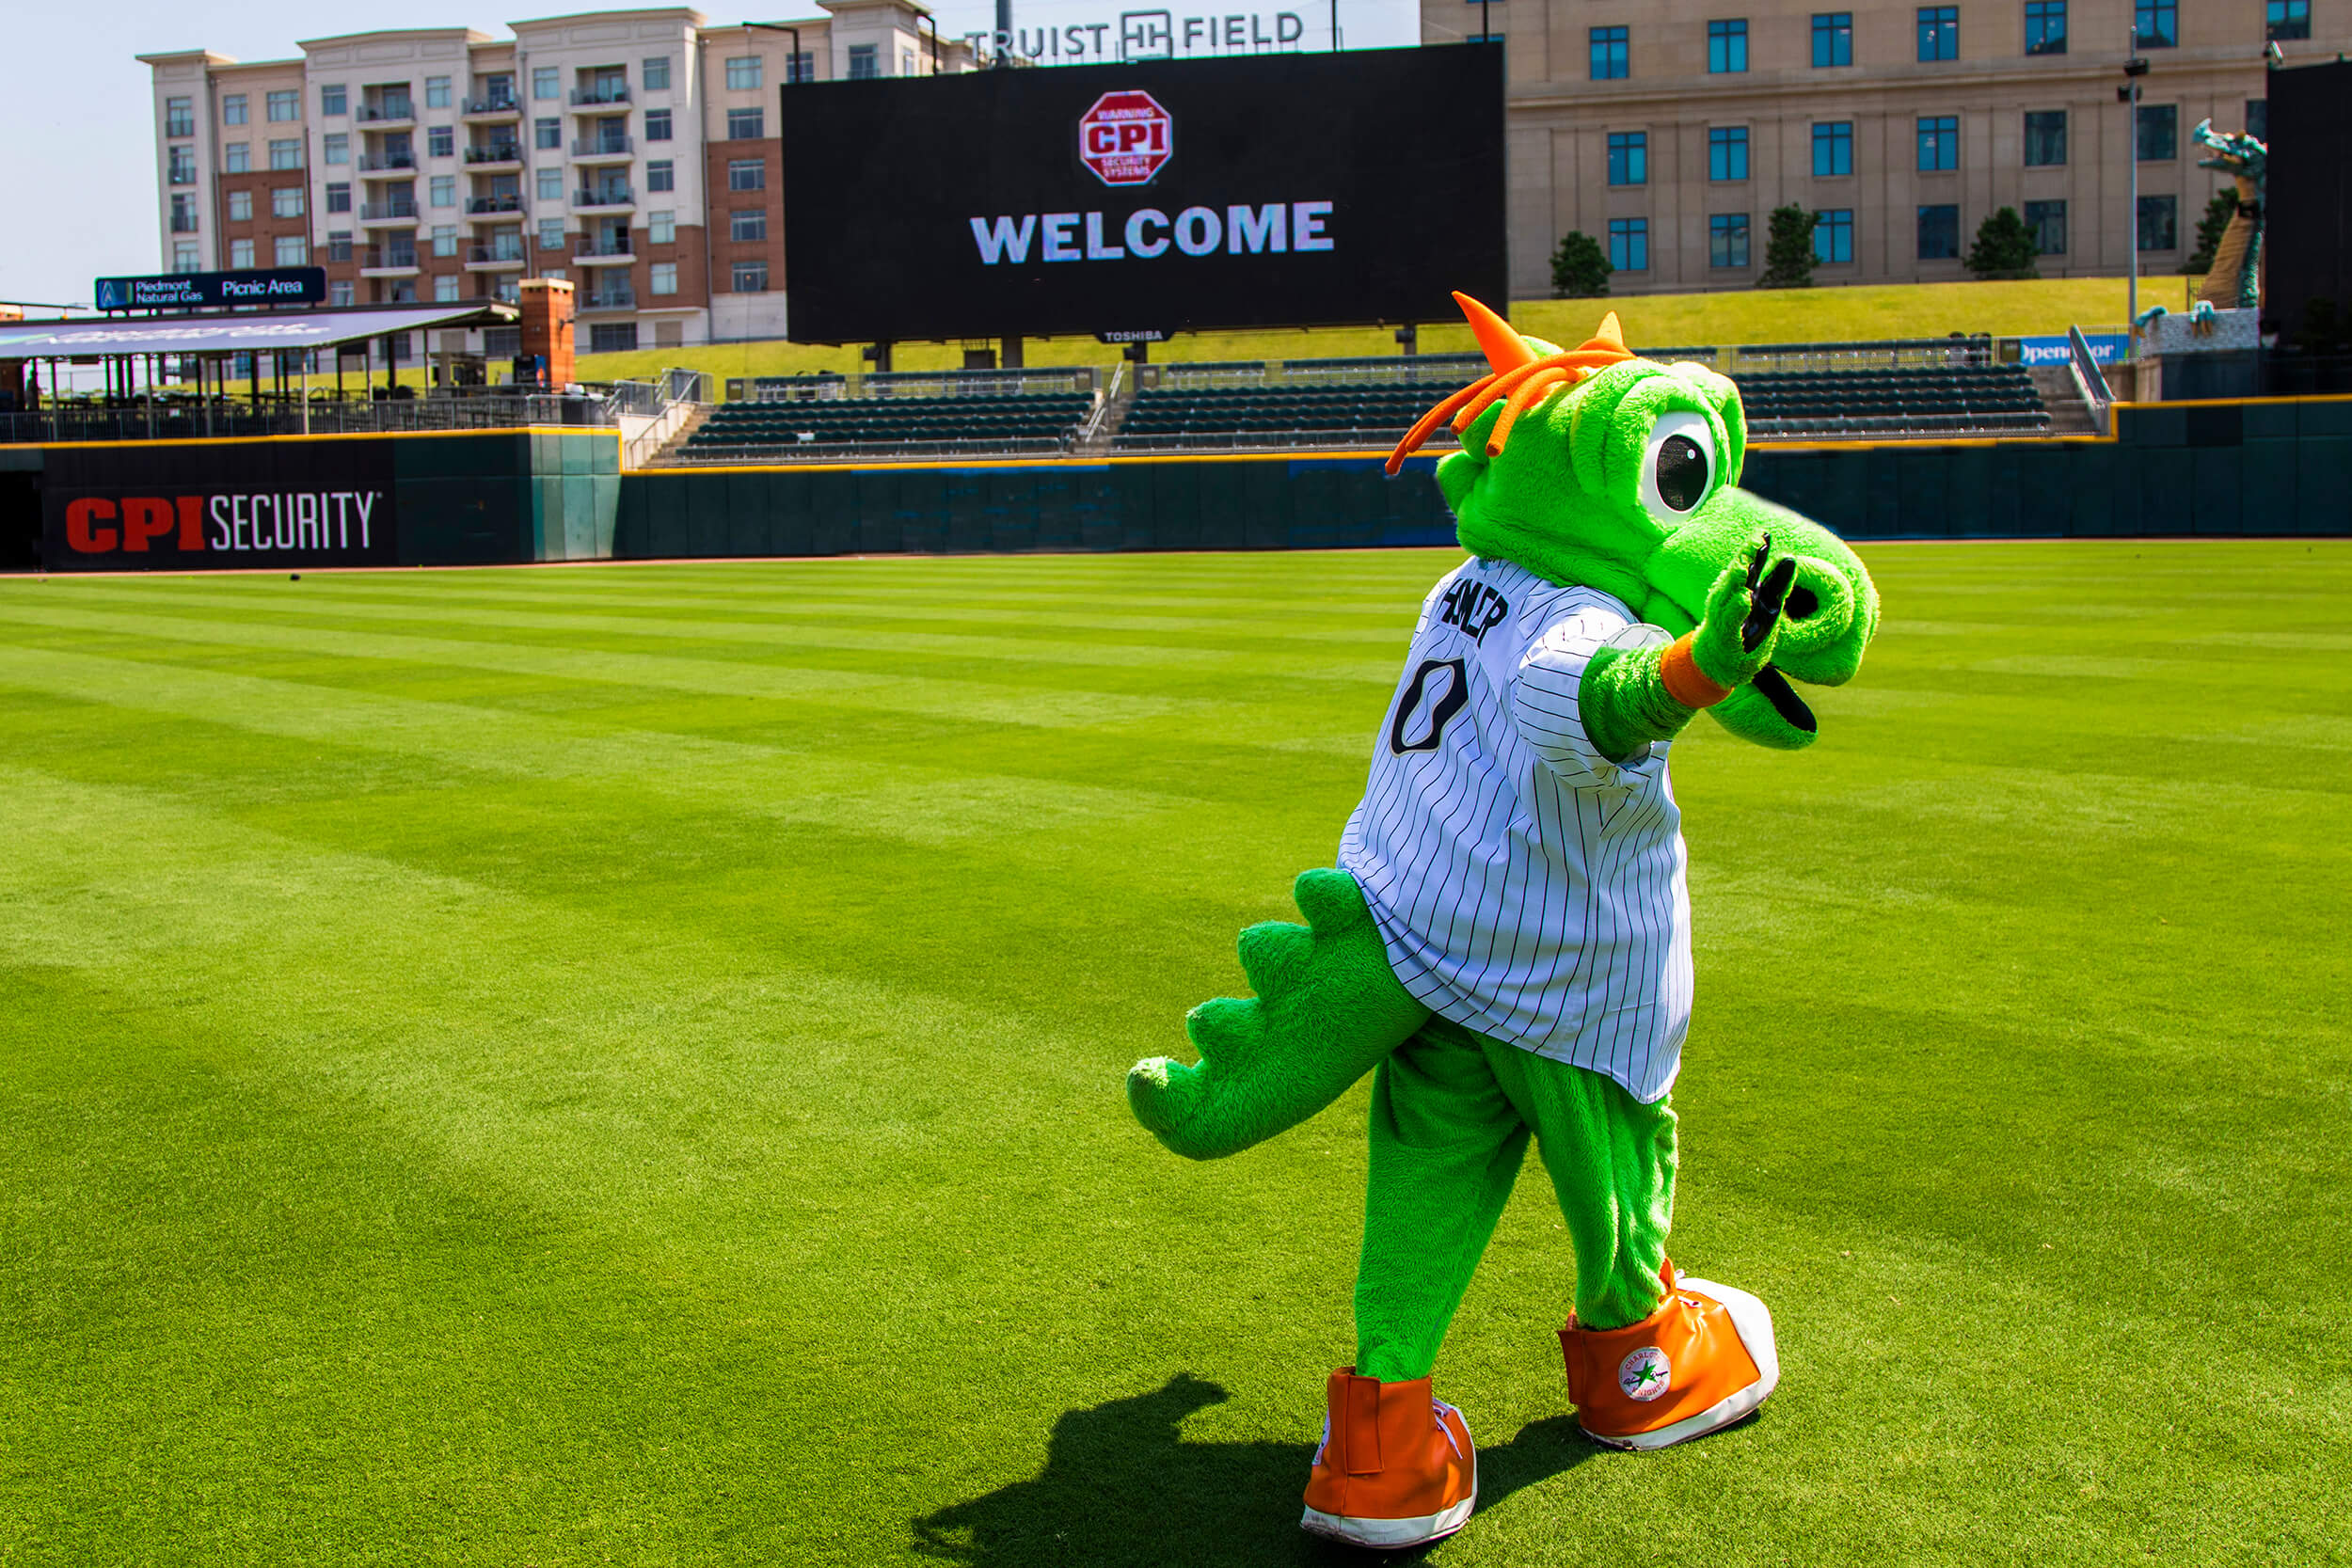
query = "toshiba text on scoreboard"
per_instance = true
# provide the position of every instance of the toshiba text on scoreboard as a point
(1131, 200)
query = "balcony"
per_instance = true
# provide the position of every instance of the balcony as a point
(498, 256)
(491, 109)
(596, 97)
(599, 150)
(477, 204)
(387, 113)
(381, 163)
(605, 198)
(389, 261)
(402, 210)
(608, 299)
(592, 252)
(495, 156)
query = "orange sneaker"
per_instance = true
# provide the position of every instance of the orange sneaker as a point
(1701, 1361)
(1395, 1466)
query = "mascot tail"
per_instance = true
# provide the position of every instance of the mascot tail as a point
(1328, 1010)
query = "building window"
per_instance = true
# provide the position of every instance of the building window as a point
(660, 175)
(180, 162)
(1629, 245)
(744, 73)
(240, 206)
(1939, 233)
(334, 99)
(1609, 61)
(2046, 26)
(612, 338)
(183, 213)
(661, 227)
(2046, 138)
(445, 239)
(2159, 133)
(747, 174)
(750, 277)
(2160, 222)
(185, 256)
(437, 92)
(1833, 148)
(232, 109)
(339, 291)
(440, 141)
(1833, 235)
(546, 81)
(2290, 19)
(1727, 153)
(1833, 39)
(286, 201)
(291, 250)
(746, 124)
(1629, 157)
(240, 253)
(2157, 22)
(2258, 119)
(1939, 33)
(502, 342)
(339, 197)
(335, 147)
(445, 287)
(1939, 142)
(864, 63)
(338, 244)
(179, 117)
(802, 69)
(662, 278)
(550, 233)
(286, 154)
(1727, 239)
(550, 188)
(657, 75)
(2047, 219)
(1727, 46)
(237, 158)
(657, 125)
(748, 223)
(285, 107)
(547, 135)
(441, 190)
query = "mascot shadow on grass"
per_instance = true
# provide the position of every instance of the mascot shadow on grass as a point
(1506, 942)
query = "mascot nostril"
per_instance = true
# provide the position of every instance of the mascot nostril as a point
(1619, 582)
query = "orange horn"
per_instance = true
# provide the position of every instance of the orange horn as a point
(1504, 348)
(1611, 335)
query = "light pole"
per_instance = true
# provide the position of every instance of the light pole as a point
(2135, 67)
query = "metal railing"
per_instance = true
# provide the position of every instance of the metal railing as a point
(601, 147)
(610, 196)
(492, 106)
(1886, 354)
(602, 93)
(2088, 378)
(480, 254)
(379, 211)
(381, 255)
(1092, 428)
(373, 163)
(1243, 440)
(832, 451)
(589, 246)
(608, 299)
(183, 223)
(1012, 382)
(497, 152)
(389, 109)
(493, 204)
(178, 418)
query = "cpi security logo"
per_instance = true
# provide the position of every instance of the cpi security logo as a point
(1126, 138)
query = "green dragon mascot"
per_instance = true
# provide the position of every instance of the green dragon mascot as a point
(1505, 943)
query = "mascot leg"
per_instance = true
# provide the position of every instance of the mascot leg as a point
(1327, 1009)
(1653, 1358)
(1396, 1466)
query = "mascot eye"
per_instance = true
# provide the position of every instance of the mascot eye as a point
(1677, 466)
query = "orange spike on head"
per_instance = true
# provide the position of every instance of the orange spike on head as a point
(1504, 348)
(1611, 335)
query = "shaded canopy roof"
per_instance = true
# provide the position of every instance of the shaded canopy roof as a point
(228, 334)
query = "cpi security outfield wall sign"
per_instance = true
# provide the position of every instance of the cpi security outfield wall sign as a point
(1282, 190)
(165, 507)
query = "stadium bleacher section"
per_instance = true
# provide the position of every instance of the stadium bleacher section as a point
(996, 411)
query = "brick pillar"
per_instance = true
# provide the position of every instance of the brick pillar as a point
(547, 327)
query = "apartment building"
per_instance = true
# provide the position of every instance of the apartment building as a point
(1669, 133)
(629, 152)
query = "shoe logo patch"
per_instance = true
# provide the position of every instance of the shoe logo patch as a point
(1645, 1374)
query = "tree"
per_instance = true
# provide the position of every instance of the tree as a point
(1580, 269)
(2218, 212)
(2005, 248)
(1788, 249)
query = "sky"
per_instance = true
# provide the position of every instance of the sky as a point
(80, 109)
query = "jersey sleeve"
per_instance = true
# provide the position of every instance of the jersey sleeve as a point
(1543, 694)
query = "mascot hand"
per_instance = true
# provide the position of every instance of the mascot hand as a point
(1735, 639)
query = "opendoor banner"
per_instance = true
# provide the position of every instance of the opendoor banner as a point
(118, 509)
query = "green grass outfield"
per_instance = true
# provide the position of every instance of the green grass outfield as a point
(623, 1065)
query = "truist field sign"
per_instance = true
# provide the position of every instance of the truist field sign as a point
(1285, 190)
(181, 508)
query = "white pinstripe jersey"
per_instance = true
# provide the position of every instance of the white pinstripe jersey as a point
(1527, 887)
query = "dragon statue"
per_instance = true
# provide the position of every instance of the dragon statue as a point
(2235, 280)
